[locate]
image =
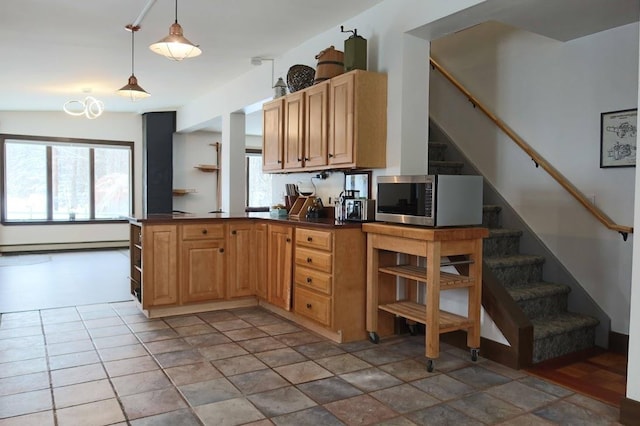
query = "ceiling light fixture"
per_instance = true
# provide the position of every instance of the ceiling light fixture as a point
(90, 107)
(132, 90)
(175, 46)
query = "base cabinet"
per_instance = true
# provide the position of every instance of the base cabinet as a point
(329, 277)
(202, 270)
(258, 260)
(279, 261)
(160, 265)
(247, 258)
(316, 276)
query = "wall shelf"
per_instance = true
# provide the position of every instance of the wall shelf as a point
(182, 191)
(209, 168)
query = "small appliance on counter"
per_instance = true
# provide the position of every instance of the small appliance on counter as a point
(430, 200)
(360, 209)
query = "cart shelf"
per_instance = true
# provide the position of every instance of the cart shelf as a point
(418, 273)
(416, 312)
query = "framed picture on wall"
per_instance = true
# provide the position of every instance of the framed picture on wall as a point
(618, 130)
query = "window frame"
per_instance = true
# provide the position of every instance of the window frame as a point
(48, 142)
(248, 153)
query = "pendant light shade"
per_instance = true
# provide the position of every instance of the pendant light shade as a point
(132, 89)
(175, 46)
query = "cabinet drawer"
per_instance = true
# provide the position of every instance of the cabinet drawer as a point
(203, 231)
(315, 280)
(314, 238)
(319, 260)
(313, 306)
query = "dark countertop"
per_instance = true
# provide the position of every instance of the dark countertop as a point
(189, 217)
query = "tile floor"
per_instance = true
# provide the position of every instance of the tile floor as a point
(107, 364)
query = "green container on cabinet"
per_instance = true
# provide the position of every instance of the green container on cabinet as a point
(355, 53)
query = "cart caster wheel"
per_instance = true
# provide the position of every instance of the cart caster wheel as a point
(430, 365)
(373, 337)
(474, 354)
(412, 329)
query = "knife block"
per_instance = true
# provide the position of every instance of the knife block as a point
(300, 207)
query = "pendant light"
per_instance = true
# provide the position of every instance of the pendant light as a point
(175, 46)
(132, 90)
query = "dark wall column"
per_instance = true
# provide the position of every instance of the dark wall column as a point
(157, 149)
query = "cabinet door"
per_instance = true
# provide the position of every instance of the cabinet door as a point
(272, 137)
(242, 259)
(294, 130)
(259, 260)
(316, 126)
(280, 266)
(203, 270)
(341, 119)
(160, 271)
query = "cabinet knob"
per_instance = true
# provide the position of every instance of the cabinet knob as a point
(299, 159)
(234, 232)
(308, 305)
(330, 155)
(306, 159)
(204, 231)
(309, 239)
(221, 249)
(288, 240)
(309, 260)
(309, 280)
(279, 162)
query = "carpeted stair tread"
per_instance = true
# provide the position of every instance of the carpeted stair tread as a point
(446, 163)
(504, 233)
(513, 260)
(537, 290)
(566, 322)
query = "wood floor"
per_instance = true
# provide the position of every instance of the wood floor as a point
(597, 373)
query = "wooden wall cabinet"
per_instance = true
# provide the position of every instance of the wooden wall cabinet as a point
(279, 264)
(340, 123)
(358, 120)
(329, 277)
(272, 135)
(294, 131)
(160, 263)
(203, 262)
(316, 125)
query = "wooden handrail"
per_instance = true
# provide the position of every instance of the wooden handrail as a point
(537, 159)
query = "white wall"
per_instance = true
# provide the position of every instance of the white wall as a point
(190, 150)
(109, 126)
(633, 369)
(551, 93)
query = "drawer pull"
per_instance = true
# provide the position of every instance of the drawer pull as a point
(309, 260)
(309, 280)
(234, 232)
(221, 250)
(309, 239)
(308, 305)
(204, 231)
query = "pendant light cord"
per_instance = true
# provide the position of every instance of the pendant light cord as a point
(176, 11)
(132, 56)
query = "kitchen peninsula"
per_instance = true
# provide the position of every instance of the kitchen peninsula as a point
(310, 271)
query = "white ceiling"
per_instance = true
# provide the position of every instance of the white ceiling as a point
(55, 50)
(52, 50)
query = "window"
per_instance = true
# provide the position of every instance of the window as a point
(258, 183)
(65, 180)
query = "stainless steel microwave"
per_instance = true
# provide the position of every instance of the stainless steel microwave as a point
(430, 200)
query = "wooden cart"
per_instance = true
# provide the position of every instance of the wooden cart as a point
(426, 247)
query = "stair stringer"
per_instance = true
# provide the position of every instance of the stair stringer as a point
(554, 271)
